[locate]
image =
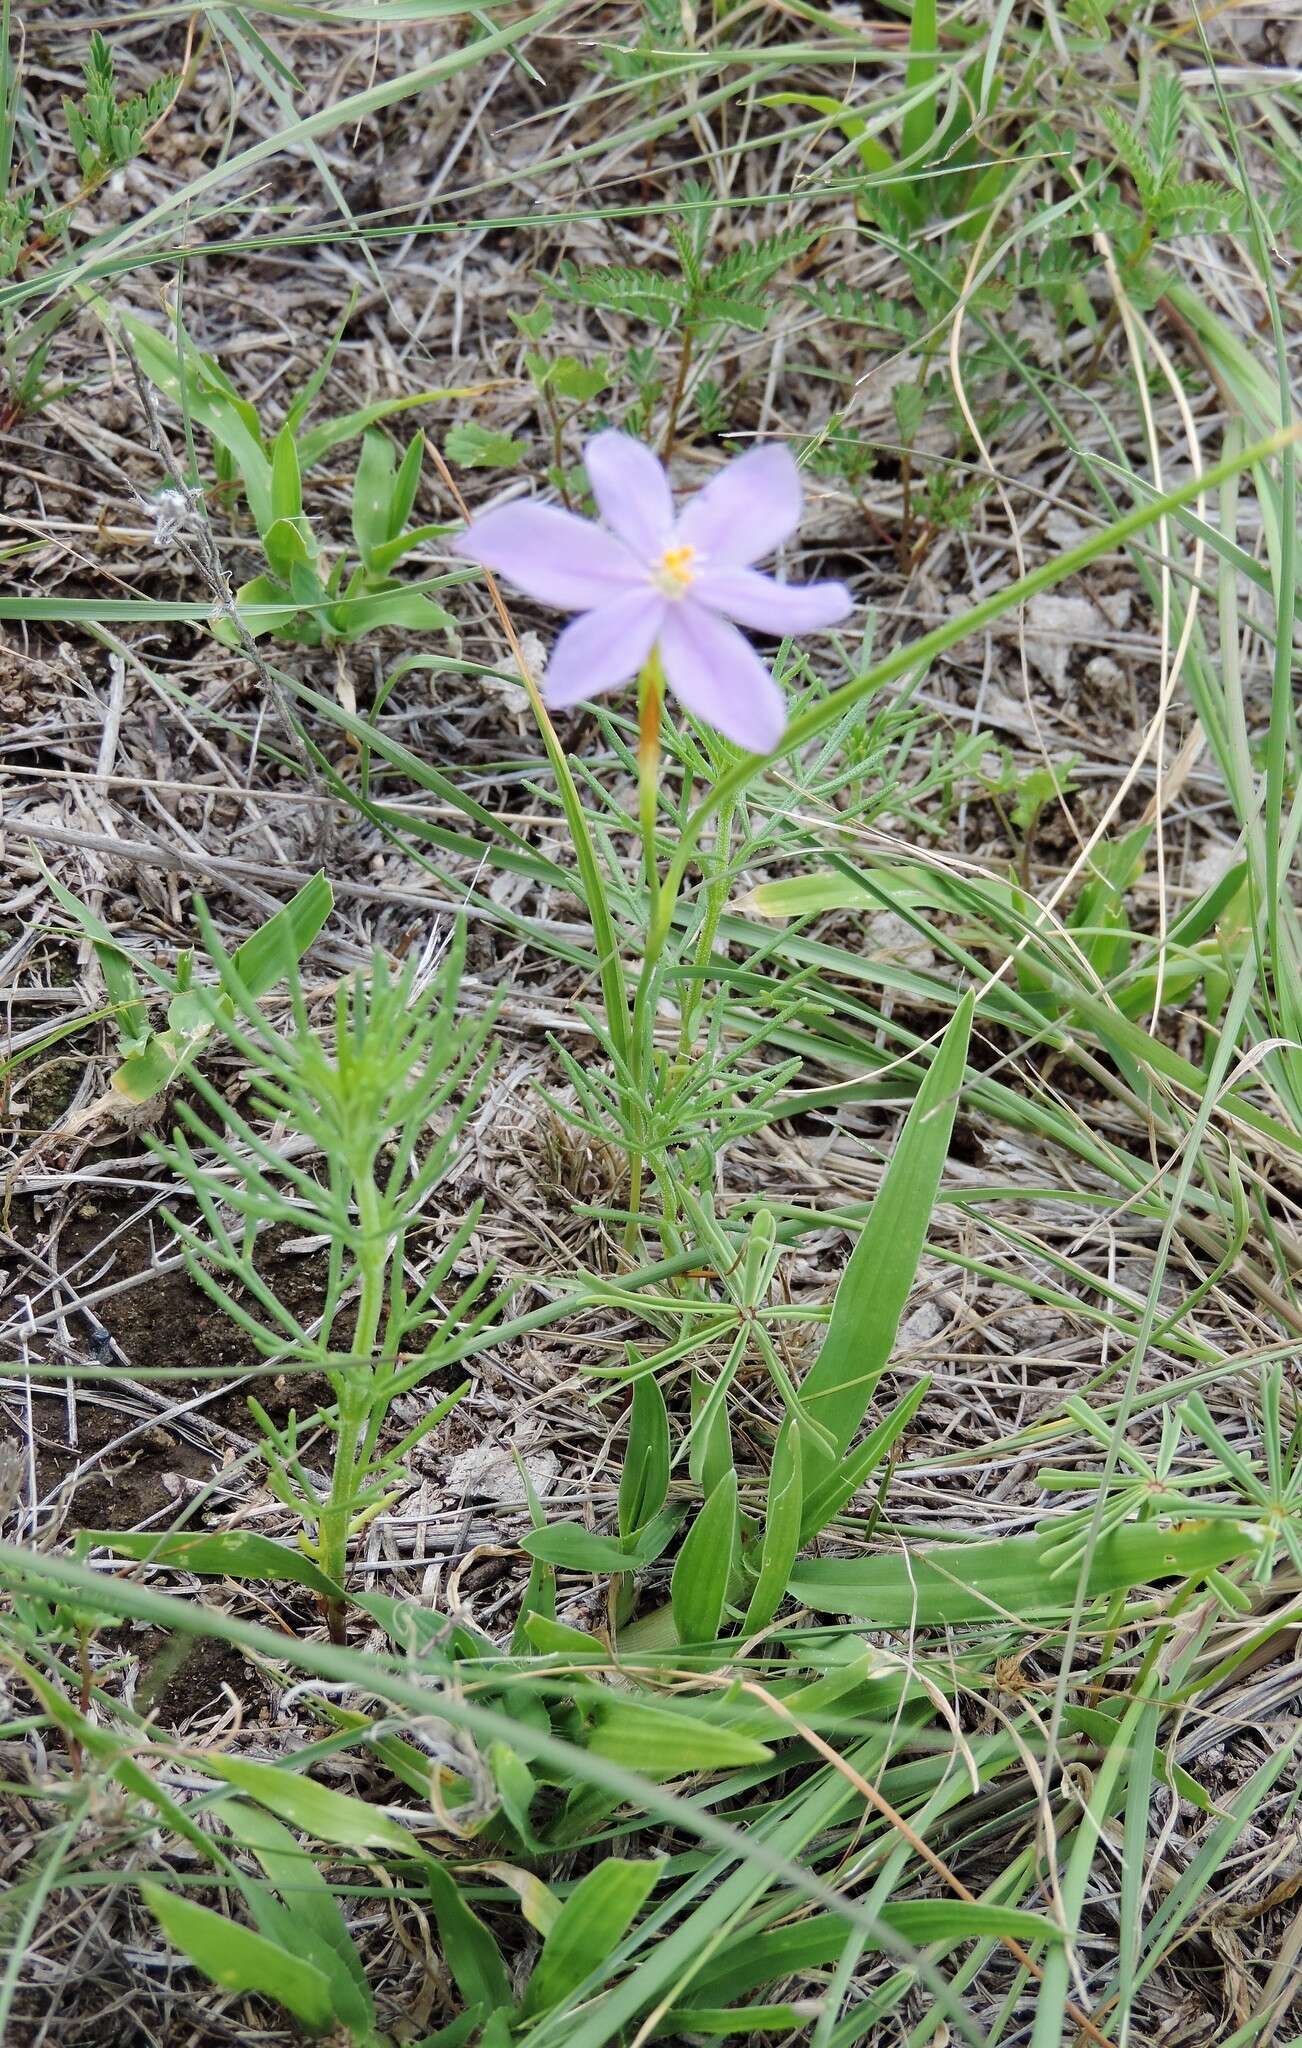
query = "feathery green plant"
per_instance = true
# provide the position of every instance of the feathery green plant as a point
(153, 1059)
(706, 293)
(384, 1091)
(107, 132)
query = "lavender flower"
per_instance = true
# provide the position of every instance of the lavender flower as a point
(659, 582)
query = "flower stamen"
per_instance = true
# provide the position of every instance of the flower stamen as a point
(673, 574)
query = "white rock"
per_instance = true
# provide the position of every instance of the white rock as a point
(488, 1471)
(894, 938)
(1062, 528)
(1105, 677)
(1056, 627)
(924, 1324)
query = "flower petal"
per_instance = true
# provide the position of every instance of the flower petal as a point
(745, 511)
(603, 648)
(720, 678)
(551, 555)
(631, 490)
(766, 606)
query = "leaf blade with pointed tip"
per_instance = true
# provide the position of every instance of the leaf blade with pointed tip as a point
(239, 1960)
(703, 1567)
(879, 1274)
(227, 1553)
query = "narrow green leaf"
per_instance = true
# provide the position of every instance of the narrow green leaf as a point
(516, 1788)
(921, 1921)
(372, 492)
(919, 124)
(782, 1529)
(390, 552)
(875, 1285)
(709, 1458)
(402, 607)
(286, 482)
(174, 366)
(597, 1914)
(405, 486)
(576, 1549)
(841, 1484)
(644, 1481)
(468, 1948)
(231, 1553)
(319, 441)
(689, 2021)
(237, 1959)
(662, 1742)
(316, 1929)
(319, 1811)
(704, 1566)
(1017, 1578)
(262, 959)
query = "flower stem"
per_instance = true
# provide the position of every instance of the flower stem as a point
(650, 706)
(650, 702)
(716, 897)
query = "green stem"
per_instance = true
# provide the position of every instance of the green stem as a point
(715, 900)
(904, 548)
(650, 703)
(675, 402)
(354, 1398)
(650, 706)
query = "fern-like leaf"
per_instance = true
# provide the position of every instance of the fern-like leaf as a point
(853, 308)
(1165, 115)
(641, 294)
(755, 263)
(1133, 154)
(1201, 204)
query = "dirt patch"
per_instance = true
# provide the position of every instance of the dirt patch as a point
(183, 1679)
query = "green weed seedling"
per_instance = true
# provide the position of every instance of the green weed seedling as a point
(105, 131)
(382, 1093)
(15, 227)
(151, 1058)
(301, 1954)
(304, 598)
(734, 1567)
(24, 361)
(703, 296)
(944, 165)
(1165, 205)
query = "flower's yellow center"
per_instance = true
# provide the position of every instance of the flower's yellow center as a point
(673, 573)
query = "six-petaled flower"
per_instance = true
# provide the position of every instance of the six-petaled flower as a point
(650, 579)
